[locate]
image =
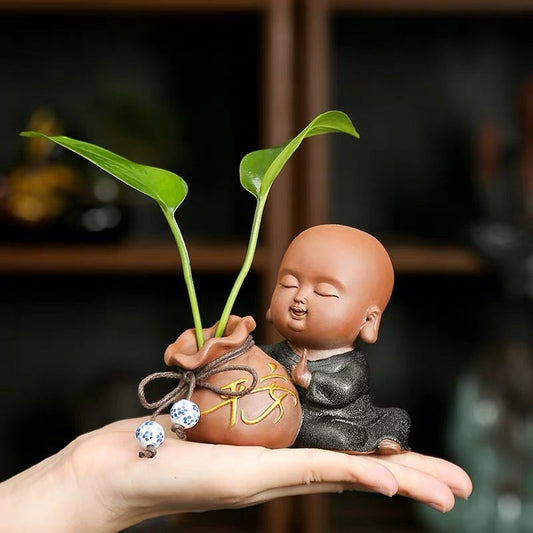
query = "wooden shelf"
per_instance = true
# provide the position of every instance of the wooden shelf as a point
(380, 6)
(163, 259)
(435, 259)
(131, 5)
(433, 6)
(121, 258)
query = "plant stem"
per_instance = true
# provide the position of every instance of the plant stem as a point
(187, 274)
(247, 264)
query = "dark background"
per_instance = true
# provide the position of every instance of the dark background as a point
(184, 92)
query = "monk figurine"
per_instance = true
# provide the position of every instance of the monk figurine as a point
(333, 285)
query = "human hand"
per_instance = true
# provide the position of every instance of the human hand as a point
(300, 373)
(98, 482)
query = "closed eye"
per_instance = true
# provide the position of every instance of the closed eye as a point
(288, 281)
(326, 290)
(326, 295)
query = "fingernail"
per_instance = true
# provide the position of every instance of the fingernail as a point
(387, 491)
(437, 506)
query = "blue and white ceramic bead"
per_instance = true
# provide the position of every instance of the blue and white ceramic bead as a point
(185, 413)
(150, 433)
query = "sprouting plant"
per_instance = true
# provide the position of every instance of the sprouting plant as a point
(258, 171)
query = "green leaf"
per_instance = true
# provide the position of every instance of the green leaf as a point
(166, 188)
(259, 169)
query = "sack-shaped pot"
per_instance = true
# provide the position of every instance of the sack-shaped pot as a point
(268, 415)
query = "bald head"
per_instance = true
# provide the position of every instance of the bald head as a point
(333, 284)
(348, 254)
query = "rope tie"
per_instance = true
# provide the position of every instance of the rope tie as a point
(188, 380)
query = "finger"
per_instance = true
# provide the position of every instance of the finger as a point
(240, 476)
(263, 469)
(299, 467)
(249, 470)
(420, 485)
(297, 490)
(454, 476)
(426, 479)
(288, 467)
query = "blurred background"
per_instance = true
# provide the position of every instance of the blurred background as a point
(90, 289)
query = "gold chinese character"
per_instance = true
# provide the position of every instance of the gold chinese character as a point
(276, 391)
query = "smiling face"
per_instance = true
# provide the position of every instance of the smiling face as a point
(333, 284)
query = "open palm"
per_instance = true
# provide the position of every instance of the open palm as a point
(184, 476)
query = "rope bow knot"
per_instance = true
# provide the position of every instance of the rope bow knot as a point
(188, 380)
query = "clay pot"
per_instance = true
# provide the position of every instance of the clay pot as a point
(270, 415)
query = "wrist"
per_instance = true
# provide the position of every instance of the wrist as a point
(48, 498)
(35, 500)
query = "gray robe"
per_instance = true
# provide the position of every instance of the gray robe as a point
(338, 413)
